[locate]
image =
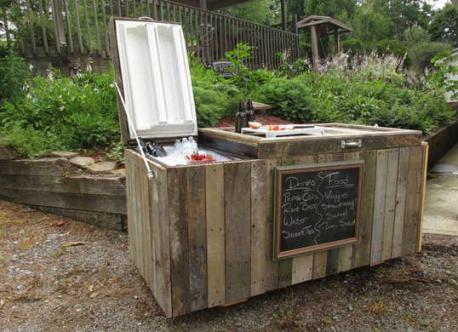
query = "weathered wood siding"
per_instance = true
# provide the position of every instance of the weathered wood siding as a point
(54, 185)
(217, 223)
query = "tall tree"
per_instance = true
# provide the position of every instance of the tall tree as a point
(444, 25)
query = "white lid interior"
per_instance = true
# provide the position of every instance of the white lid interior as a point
(156, 79)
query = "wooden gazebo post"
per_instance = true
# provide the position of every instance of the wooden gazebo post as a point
(326, 25)
(337, 41)
(315, 52)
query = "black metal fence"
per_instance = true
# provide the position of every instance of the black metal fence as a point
(80, 27)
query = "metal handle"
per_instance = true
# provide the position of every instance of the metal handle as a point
(351, 145)
(146, 18)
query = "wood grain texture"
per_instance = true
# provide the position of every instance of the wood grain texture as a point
(413, 201)
(425, 147)
(390, 202)
(83, 184)
(271, 266)
(401, 194)
(197, 237)
(131, 212)
(237, 197)
(345, 258)
(302, 269)
(160, 239)
(214, 184)
(347, 255)
(379, 207)
(44, 166)
(363, 248)
(68, 200)
(179, 245)
(259, 218)
(319, 264)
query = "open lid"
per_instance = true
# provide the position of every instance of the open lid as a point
(156, 78)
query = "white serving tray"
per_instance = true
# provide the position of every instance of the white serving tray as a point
(156, 79)
(290, 130)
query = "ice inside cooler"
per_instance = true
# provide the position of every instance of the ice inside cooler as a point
(178, 158)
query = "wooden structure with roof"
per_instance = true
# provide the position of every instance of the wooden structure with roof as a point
(323, 25)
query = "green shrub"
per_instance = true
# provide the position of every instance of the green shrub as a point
(355, 98)
(30, 142)
(79, 111)
(14, 72)
(214, 96)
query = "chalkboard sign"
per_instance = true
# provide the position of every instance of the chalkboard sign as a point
(316, 208)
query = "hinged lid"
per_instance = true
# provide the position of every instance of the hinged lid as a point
(156, 79)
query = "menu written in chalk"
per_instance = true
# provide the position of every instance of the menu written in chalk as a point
(316, 207)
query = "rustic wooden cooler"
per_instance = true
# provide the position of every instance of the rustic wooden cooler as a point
(212, 234)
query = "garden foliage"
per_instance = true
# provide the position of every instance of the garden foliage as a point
(42, 114)
(62, 112)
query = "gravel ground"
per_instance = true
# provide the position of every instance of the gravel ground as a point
(57, 274)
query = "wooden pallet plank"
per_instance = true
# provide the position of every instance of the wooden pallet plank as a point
(271, 266)
(259, 218)
(84, 202)
(363, 247)
(319, 264)
(214, 192)
(420, 229)
(130, 187)
(401, 194)
(179, 247)
(413, 201)
(160, 230)
(347, 255)
(45, 166)
(302, 268)
(79, 184)
(390, 203)
(197, 237)
(379, 207)
(237, 190)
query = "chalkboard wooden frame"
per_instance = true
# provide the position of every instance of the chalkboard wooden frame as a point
(278, 174)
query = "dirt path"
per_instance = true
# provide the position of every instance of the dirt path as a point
(57, 274)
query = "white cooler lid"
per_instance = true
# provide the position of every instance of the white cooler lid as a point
(156, 79)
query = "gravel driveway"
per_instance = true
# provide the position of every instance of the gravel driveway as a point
(57, 274)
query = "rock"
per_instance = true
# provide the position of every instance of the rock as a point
(64, 154)
(102, 167)
(82, 161)
(119, 172)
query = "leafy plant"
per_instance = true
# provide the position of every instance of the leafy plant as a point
(214, 96)
(79, 111)
(373, 92)
(29, 142)
(14, 72)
